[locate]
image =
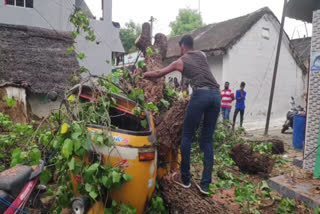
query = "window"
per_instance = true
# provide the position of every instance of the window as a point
(10, 2)
(266, 33)
(29, 3)
(20, 3)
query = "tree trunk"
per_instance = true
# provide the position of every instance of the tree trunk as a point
(184, 201)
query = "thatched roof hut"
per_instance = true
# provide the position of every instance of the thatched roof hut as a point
(217, 38)
(36, 56)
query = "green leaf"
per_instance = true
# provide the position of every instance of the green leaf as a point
(151, 106)
(165, 103)
(67, 148)
(141, 64)
(77, 145)
(74, 34)
(87, 143)
(70, 50)
(108, 211)
(99, 139)
(35, 156)
(71, 164)
(115, 177)
(114, 203)
(81, 56)
(144, 123)
(114, 101)
(93, 168)
(104, 180)
(83, 70)
(149, 51)
(75, 135)
(93, 194)
(16, 153)
(10, 101)
(88, 187)
(127, 177)
(45, 177)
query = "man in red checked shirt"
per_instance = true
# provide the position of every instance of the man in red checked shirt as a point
(227, 96)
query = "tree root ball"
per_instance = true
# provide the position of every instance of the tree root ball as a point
(277, 146)
(251, 162)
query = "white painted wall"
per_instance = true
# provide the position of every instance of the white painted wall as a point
(45, 14)
(216, 66)
(173, 75)
(54, 14)
(252, 60)
(19, 94)
(215, 63)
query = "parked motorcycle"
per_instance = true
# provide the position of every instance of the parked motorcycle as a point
(290, 115)
(16, 186)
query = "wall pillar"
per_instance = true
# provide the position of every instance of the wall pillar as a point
(313, 112)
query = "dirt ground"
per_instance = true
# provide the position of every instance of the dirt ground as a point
(227, 196)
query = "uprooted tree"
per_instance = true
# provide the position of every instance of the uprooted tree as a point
(169, 126)
(169, 123)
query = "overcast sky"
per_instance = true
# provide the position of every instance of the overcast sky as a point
(212, 11)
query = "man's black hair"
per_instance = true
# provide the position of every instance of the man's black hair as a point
(187, 41)
(242, 84)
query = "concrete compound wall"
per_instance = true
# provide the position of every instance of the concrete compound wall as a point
(54, 15)
(41, 106)
(252, 60)
(313, 111)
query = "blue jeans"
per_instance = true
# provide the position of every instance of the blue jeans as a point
(204, 103)
(226, 113)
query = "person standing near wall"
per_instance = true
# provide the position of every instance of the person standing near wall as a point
(227, 96)
(240, 104)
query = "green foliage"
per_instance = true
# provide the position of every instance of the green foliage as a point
(157, 206)
(245, 194)
(141, 64)
(149, 51)
(20, 142)
(263, 148)
(45, 176)
(286, 206)
(120, 208)
(186, 21)
(66, 132)
(82, 25)
(10, 101)
(128, 36)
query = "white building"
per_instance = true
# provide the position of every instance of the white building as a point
(244, 49)
(54, 15)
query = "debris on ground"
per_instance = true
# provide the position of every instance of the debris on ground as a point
(181, 200)
(251, 162)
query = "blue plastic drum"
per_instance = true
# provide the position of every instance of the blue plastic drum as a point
(299, 125)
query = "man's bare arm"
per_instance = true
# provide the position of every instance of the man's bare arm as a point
(174, 66)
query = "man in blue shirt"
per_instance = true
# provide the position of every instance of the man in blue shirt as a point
(240, 105)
